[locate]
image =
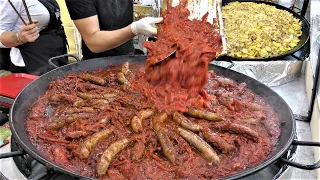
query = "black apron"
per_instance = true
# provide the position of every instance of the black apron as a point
(5, 59)
(112, 15)
(51, 42)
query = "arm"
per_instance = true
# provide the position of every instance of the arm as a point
(26, 34)
(9, 39)
(84, 15)
(99, 41)
(8, 19)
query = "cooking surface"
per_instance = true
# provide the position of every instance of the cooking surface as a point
(152, 159)
(303, 131)
(297, 91)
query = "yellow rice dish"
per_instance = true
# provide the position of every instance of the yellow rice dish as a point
(257, 30)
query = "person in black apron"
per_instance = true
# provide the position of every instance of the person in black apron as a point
(51, 42)
(107, 26)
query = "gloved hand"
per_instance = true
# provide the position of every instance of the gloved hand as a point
(145, 27)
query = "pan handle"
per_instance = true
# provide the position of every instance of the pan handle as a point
(302, 166)
(12, 154)
(61, 56)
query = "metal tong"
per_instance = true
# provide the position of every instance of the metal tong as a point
(27, 11)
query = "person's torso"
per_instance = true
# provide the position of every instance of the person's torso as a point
(37, 12)
(51, 43)
(113, 15)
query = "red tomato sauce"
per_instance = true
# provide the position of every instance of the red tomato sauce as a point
(77, 122)
(197, 42)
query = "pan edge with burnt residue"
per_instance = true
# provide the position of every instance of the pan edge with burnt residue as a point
(35, 89)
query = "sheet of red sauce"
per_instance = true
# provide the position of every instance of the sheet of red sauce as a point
(184, 74)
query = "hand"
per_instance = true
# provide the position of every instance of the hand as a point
(144, 26)
(29, 33)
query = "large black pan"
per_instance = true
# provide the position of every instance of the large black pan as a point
(304, 38)
(29, 95)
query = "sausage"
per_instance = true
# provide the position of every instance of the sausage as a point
(136, 124)
(122, 79)
(104, 120)
(59, 123)
(254, 107)
(225, 81)
(250, 120)
(218, 142)
(77, 102)
(76, 134)
(92, 78)
(146, 113)
(92, 141)
(63, 97)
(89, 86)
(136, 121)
(167, 147)
(80, 110)
(239, 129)
(210, 116)
(109, 95)
(60, 155)
(158, 119)
(204, 148)
(138, 150)
(109, 154)
(89, 96)
(100, 101)
(185, 122)
(95, 96)
(56, 125)
(125, 70)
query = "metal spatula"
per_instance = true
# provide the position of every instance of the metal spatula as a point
(174, 49)
(197, 9)
(163, 9)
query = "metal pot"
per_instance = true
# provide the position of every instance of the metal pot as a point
(29, 95)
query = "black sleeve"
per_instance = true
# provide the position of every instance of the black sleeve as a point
(79, 9)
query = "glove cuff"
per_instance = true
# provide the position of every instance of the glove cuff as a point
(134, 28)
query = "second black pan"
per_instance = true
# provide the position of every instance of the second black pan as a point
(304, 38)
